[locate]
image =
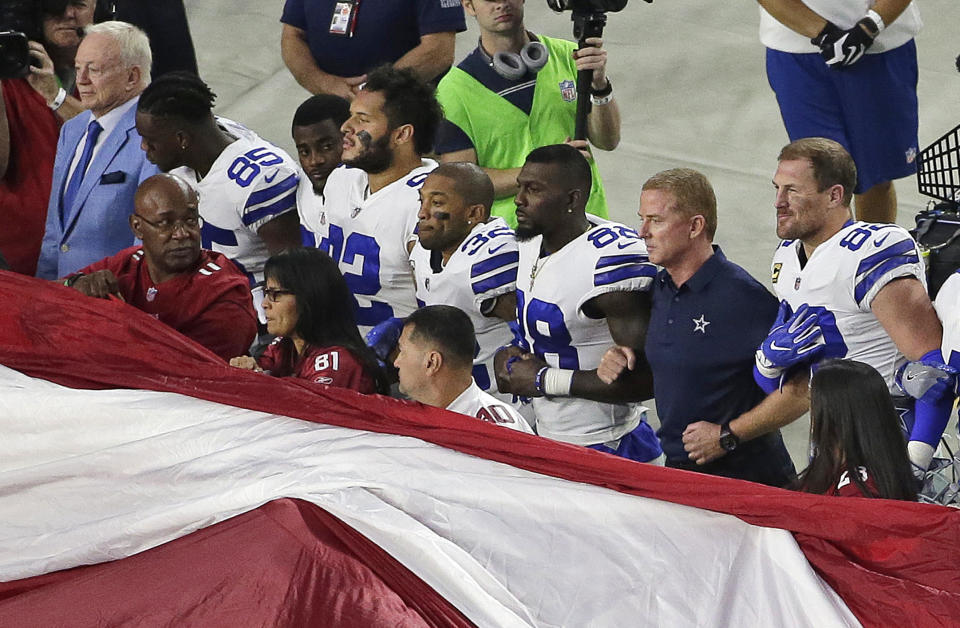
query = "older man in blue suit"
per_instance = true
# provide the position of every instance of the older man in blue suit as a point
(99, 161)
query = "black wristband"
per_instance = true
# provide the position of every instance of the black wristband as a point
(600, 93)
(72, 279)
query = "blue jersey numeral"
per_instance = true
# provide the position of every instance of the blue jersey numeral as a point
(856, 238)
(477, 240)
(367, 283)
(246, 167)
(542, 322)
(607, 235)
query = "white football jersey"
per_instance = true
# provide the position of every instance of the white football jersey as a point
(839, 283)
(309, 203)
(250, 183)
(475, 402)
(948, 309)
(367, 235)
(551, 292)
(483, 267)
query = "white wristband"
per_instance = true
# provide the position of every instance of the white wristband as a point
(61, 96)
(599, 101)
(556, 382)
(873, 15)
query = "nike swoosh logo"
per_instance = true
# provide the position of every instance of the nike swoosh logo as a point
(624, 245)
(879, 243)
(270, 179)
(776, 347)
(910, 377)
(494, 249)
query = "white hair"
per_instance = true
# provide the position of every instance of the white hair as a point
(133, 42)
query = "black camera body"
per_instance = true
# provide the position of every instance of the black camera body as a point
(587, 6)
(20, 21)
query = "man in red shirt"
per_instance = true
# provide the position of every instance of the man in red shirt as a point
(199, 293)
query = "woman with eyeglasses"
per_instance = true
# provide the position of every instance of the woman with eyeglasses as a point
(310, 309)
(858, 446)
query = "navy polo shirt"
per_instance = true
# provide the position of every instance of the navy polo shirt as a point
(701, 344)
(385, 30)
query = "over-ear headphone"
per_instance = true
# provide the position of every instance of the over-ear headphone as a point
(510, 65)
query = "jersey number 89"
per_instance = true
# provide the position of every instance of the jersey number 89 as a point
(542, 322)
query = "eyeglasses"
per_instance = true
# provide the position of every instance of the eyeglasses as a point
(273, 294)
(166, 227)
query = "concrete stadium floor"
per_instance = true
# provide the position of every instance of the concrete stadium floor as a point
(689, 77)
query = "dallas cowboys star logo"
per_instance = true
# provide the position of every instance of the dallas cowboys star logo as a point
(700, 324)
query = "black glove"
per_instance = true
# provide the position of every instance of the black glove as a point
(841, 49)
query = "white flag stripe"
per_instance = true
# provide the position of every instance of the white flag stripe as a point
(88, 476)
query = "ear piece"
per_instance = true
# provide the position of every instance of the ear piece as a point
(513, 66)
(534, 56)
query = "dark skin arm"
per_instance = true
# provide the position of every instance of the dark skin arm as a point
(506, 307)
(100, 285)
(281, 233)
(628, 316)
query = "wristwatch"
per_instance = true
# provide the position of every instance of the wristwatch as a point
(728, 440)
(603, 91)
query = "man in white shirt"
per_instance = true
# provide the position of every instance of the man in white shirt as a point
(866, 49)
(435, 362)
(368, 218)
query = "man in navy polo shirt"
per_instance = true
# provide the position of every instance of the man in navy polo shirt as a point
(708, 318)
(330, 45)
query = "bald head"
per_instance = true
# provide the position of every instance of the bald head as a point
(166, 218)
(163, 190)
(470, 183)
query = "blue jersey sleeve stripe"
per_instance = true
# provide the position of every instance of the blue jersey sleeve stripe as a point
(493, 263)
(272, 192)
(900, 248)
(626, 272)
(286, 203)
(616, 260)
(307, 237)
(866, 283)
(496, 281)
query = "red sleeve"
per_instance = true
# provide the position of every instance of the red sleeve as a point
(227, 327)
(118, 264)
(217, 308)
(336, 366)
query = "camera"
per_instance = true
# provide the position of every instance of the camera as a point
(20, 21)
(587, 6)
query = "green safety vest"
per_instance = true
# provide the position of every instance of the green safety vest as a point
(503, 135)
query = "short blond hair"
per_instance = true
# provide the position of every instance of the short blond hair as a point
(693, 193)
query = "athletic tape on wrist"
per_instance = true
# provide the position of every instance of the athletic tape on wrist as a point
(557, 382)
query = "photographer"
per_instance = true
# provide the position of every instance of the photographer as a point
(517, 91)
(31, 112)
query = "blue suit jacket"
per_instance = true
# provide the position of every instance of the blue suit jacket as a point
(97, 224)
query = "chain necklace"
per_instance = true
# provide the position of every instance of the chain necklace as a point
(537, 266)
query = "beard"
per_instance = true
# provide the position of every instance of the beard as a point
(376, 156)
(526, 232)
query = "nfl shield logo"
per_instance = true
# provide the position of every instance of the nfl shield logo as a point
(426, 284)
(796, 284)
(568, 90)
